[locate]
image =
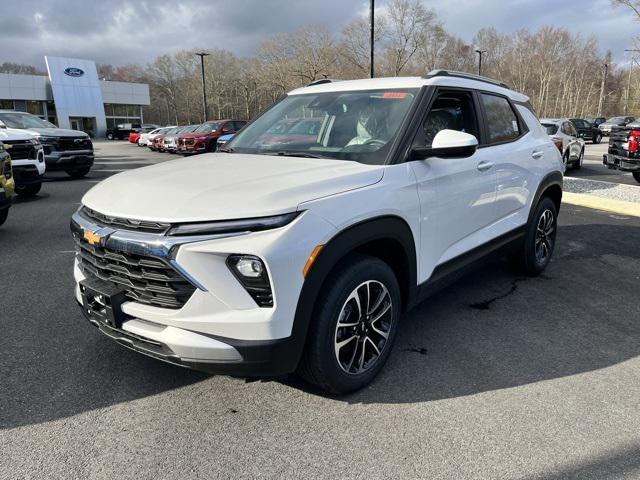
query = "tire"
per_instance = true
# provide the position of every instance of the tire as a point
(597, 139)
(565, 160)
(530, 259)
(79, 173)
(109, 136)
(636, 175)
(578, 164)
(368, 340)
(3, 215)
(28, 190)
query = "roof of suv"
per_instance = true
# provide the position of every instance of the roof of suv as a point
(411, 82)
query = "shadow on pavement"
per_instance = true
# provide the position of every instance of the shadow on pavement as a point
(491, 330)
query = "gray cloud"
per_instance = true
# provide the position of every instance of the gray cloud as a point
(125, 31)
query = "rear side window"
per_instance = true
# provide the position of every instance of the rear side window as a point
(502, 122)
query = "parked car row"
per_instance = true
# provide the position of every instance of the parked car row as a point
(29, 146)
(188, 139)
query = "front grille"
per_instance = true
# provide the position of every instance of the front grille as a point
(144, 279)
(74, 143)
(124, 223)
(20, 149)
(186, 141)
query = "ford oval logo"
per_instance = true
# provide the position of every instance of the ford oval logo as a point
(74, 72)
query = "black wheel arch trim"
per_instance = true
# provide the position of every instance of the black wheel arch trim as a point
(390, 228)
(553, 179)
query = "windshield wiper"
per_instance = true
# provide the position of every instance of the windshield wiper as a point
(286, 153)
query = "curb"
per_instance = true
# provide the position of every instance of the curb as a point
(598, 203)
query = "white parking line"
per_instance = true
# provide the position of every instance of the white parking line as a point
(118, 170)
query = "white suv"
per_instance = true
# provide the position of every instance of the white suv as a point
(285, 253)
(27, 160)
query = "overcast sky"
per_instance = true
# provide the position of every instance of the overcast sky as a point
(125, 31)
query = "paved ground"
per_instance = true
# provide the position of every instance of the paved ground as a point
(593, 169)
(497, 377)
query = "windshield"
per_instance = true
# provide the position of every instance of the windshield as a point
(551, 128)
(616, 120)
(356, 126)
(188, 129)
(208, 127)
(24, 120)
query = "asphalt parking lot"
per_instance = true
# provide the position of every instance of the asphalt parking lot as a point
(499, 376)
(592, 168)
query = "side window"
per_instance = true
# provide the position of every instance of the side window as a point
(451, 110)
(502, 122)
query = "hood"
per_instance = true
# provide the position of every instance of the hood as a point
(14, 134)
(222, 186)
(57, 132)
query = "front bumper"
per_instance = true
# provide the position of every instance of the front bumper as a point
(220, 328)
(624, 164)
(27, 175)
(69, 159)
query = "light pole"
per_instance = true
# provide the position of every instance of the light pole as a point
(480, 52)
(204, 85)
(371, 37)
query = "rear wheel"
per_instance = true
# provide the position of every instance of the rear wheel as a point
(353, 327)
(636, 175)
(540, 238)
(565, 160)
(28, 190)
(109, 136)
(578, 164)
(597, 138)
(78, 173)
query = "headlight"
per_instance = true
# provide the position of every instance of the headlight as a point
(252, 274)
(35, 141)
(47, 139)
(227, 226)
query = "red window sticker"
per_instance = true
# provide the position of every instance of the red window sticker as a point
(394, 95)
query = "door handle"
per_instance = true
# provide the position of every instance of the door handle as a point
(484, 166)
(537, 154)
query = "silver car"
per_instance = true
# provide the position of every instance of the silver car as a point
(171, 137)
(612, 122)
(564, 134)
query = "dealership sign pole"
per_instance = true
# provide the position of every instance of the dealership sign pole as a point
(204, 85)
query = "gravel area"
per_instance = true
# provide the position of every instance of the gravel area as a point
(613, 191)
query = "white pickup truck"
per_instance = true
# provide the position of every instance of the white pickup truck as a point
(27, 159)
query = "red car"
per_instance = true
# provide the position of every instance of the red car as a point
(133, 137)
(205, 137)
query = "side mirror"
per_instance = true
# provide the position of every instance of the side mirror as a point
(448, 144)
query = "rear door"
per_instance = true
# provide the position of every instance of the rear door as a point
(515, 154)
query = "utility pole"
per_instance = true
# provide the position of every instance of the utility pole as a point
(480, 52)
(204, 85)
(626, 100)
(371, 38)
(604, 80)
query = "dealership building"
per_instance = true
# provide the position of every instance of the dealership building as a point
(72, 96)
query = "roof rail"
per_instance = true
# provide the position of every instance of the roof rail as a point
(470, 76)
(320, 82)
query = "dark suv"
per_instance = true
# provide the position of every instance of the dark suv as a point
(586, 130)
(68, 150)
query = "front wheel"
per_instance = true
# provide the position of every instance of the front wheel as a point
(78, 173)
(353, 326)
(636, 175)
(28, 190)
(109, 136)
(3, 215)
(597, 139)
(540, 238)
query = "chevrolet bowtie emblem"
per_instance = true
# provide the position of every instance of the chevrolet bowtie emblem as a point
(92, 238)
